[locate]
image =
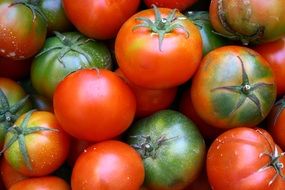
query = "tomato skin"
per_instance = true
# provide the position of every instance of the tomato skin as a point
(145, 64)
(181, 5)
(274, 53)
(149, 101)
(108, 165)
(103, 106)
(110, 15)
(46, 183)
(21, 34)
(50, 151)
(237, 156)
(175, 153)
(48, 69)
(9, 175)
(245, 18)
(233, 87)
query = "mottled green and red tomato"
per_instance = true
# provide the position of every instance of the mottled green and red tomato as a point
(234, 86)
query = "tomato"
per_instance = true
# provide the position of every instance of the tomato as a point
(55, 15)
(9, 175)
(108, 165)
(208, 131)
(14, 70)
(94, 105)
(158, 48)
(149, 101)
(245, 158)
(13, 102)
(22, 29)
(274, 53)
(100, 19)
(36, 145)
(172, 149)
(249, 21)
(63, 54)
(210, 40)
(46, 183)
(234, 86)
(181, 5)
(275, 122)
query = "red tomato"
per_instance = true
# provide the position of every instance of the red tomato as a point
(41, 183)
(247, 159)
(9, 175)
(150, 100)
(15, 70)
(158, 48)
(181, 5)
(44, 145)
(108, 165)
(99, 19)
(94, 105)
(274, 53)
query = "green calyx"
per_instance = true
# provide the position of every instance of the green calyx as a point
(18, 135)
(8, 113)
(33, 6)
(148, 147)
(69, 43)
(245, 89)
(234, 35)
(161, 26)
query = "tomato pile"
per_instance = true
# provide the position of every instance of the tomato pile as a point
(142, 94)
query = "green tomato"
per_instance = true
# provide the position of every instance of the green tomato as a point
(63, 54)
(172, 149)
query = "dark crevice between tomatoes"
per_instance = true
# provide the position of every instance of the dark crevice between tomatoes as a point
(274, 160)
(234, 35)
(245, 89)
(8, 113)
(281, 105)
(161, 26)
(69, 44)
(18, 135)
(147, 147)
(33, 5)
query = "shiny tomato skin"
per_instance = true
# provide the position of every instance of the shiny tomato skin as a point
(43, 183)
(239, 157)
(233, 87)
(181, 5)
(22, 34)
(108, 165)
(274, 53)
(145, 63)
(47, 150)
(94, 105)
(100, 19)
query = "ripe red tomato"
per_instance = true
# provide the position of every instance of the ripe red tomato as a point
(233, 87)
(274, 53)
(158, 48)
(44, 146)
(150, 100)
(247, 159)
(99, 19)
(181, 5)
(108, 165)
(44, 183)
(94, 105)
(22, 29)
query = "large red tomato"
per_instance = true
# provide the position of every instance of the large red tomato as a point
(22, 29)
(94, 105)
(274, 53)
(108, 165)
(247, 159)
(158, 48)
(99, 19)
